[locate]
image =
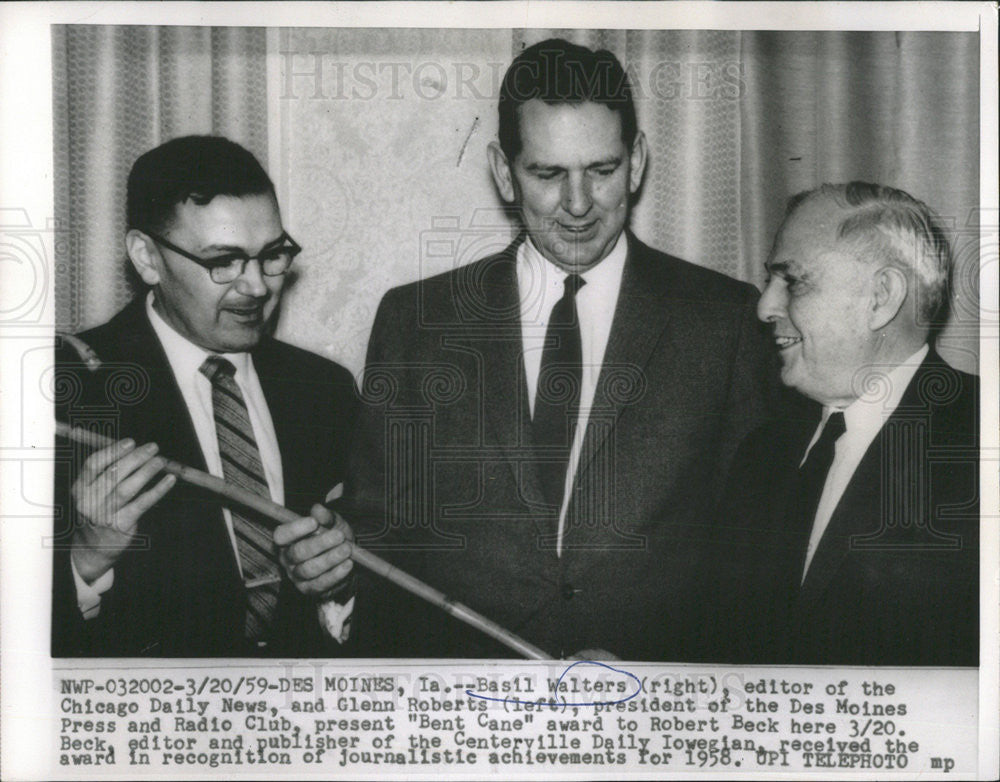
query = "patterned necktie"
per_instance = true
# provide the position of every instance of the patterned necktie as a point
(557, 396)
(241, 465)
(812, 477)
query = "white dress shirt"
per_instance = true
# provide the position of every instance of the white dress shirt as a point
(540, 285)
(185, 359)
(864, 417)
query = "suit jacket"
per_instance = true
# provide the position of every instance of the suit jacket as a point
(177, 590)
(443, 480)
(894, 580)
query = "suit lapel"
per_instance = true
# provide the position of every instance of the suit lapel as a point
(172, 427)
(855, 514)
(640, 319)
(269, 372)
(275, 371)
(860, 509)
(504, 384)
(792, 534)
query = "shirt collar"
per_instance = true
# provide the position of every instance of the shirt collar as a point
(600, 278)
(184, 356)
(867, 413)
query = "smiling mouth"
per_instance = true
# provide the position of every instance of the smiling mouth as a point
(786, 342)
(246, 313)
(578, 230)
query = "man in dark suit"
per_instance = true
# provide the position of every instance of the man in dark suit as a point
(189, 371)
(546, 428)
(855, 536)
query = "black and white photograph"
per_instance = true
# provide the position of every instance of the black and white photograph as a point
(352, 359)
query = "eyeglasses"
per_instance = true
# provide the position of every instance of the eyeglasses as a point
(226, 268)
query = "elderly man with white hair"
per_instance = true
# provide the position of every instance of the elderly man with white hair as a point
(855, 537)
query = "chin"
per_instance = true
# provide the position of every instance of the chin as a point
(241, 343)
(581, 261)
(788, 378)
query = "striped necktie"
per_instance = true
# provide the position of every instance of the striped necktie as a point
(241, 465)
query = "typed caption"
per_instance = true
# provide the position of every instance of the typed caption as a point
(326, 717)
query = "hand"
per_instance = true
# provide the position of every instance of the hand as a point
(594, 654)
(315, 551)
(110, 500)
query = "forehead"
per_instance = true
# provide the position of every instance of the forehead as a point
(240, 220)
(569, 132)
(809, 234)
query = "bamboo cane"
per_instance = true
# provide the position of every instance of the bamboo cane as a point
(281, 515)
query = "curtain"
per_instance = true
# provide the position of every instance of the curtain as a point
(381, 149)
(117, 92)
(900, 109)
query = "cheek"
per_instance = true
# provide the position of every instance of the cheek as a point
(537, 198)
(541, 200)
(197, 303)
(612, 196)
(275, 287)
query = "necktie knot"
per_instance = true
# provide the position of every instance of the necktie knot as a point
(564, 311)
(217, 368)
(572, 284)
(836, 425)
(820, 456)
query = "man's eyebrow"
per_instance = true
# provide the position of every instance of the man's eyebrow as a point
(611, 161)
(543, 167)
(780, 267)
(233, 248)
(615, 161)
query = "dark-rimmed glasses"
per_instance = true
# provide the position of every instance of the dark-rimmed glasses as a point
(229, 266)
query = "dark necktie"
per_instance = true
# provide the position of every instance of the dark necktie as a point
(241, 465)
(557, 395)
(812, 478)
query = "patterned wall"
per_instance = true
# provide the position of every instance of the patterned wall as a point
(383, 164)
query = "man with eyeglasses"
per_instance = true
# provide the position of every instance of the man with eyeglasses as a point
(190, 372)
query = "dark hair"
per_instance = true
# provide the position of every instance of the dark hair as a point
(198, 168)
(557, 71)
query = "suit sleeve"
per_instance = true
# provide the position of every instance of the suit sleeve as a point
(68, 627)
(365, 500)
(749, 401)
(741, 575)
(303, 625)
(388, 622)
(72, 635)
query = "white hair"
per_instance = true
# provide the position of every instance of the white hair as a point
(889, 225)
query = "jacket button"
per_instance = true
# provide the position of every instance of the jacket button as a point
(568, 591)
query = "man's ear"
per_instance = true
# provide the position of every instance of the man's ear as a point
(503, 177)
(889, 290)
(143, 256)
(637, 162)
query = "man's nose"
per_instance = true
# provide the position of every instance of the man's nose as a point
(577, 198)
(771, 306)
(251, 281)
